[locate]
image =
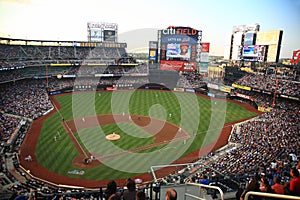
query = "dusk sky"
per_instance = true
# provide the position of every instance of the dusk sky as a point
(67, 19)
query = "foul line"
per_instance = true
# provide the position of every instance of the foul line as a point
(67, 128)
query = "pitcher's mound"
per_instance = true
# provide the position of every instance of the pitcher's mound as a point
(113, 136)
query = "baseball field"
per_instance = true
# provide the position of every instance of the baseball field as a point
(93, 137)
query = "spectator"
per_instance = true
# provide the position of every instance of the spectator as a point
(278, 187)
(264, 185)
(110, 189)
(130, 193)
(294, 184)
(140, 195)
(114, 197)
(252, 186)
(171, 194)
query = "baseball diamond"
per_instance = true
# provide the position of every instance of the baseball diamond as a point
(80, 141)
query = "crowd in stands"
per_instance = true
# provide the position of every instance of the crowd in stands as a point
(110, 69)
(39, 54)
(268, 83)
(29, 99)
(191, 80)
(8, 124)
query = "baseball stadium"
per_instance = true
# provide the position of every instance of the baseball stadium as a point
(77, 116)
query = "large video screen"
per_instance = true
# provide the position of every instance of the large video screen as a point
(180, 48)
(254, 53)
(178, 51)
(250, 51)
(109, 35)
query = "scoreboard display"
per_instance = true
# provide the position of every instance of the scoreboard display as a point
(254, 53)
(102, 32)
(180, 48)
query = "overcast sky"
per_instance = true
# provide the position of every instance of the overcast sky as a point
(138, 19)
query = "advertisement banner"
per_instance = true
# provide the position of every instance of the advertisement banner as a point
(95, 35)
(152, 54)
(225, 89)
(204, 57)
(241, 87)
(203, 67)
(213, 86)
(179, 89)
(205, 47)
(211, 95)
(111, 88)
(153, 45)
(295, 58)
(69, 76)
(177, 65)
(190, 90)
(243, 96)
(263, 109)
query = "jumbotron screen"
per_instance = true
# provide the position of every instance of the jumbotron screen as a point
(180, 48)
(254, 53)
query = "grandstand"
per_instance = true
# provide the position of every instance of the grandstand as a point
(31, 71)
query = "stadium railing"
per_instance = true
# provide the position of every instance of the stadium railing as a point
(269, 195)
(202, 191)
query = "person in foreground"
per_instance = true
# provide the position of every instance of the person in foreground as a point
(171, 194)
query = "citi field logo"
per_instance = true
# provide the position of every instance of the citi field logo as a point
(174, 30)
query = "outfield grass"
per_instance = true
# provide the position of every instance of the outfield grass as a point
(202, 118)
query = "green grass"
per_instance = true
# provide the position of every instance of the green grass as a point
(202, 118)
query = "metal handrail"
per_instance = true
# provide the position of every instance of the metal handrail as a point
(263, 194)
(205, 186)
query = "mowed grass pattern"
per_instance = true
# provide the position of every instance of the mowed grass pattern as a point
(202, 118)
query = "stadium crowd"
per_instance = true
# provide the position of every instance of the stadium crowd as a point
(20, 55)
(29, 99)
(268, 83)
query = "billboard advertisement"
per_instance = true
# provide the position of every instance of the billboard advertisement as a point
(204, 57)
(153, 45)
(205, 47)
(296, 57)
(177, 65)
(203, 67)
(249, 39)
(96, 35)
(180, 48)
(153, 54)
(153, 51)
(109, 36)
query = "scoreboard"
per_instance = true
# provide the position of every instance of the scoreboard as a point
(180, 48)
(102, 32)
